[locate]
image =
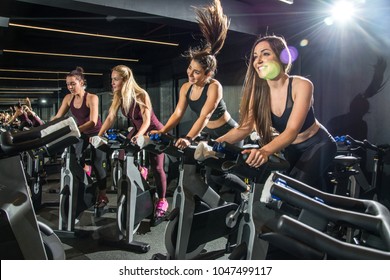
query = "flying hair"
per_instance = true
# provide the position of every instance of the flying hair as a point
(213, 24)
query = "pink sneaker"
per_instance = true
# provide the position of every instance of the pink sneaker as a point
(144, 172)
(88, 170)
(161, 208)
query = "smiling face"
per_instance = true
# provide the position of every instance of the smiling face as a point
(265, 62)
(116, 81)
(196, 74)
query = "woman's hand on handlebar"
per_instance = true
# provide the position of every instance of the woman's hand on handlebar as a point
(152, 132)
(182, 143)
(134, 139)
(256, 157)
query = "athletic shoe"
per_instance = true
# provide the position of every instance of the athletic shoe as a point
(161, 208)
(144, 172)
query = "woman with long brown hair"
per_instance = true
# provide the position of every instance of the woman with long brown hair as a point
(275, 101)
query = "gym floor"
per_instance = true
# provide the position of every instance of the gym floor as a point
(86, 246)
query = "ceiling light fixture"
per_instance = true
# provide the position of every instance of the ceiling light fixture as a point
(71, 55)
(30, 89)
(44, 71)
(93, 35)
(4, 100)
(26, 92)
(30, 79)
(285, 1)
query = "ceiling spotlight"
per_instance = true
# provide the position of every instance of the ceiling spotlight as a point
(343, 11)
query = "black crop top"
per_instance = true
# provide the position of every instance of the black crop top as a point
(197, 105)
(280, 123)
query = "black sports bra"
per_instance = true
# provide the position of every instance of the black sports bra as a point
(280, 123)
(197, 105)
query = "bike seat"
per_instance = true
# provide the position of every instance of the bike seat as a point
(346, 161)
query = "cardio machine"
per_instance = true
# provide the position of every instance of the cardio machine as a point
(77, 193)
(304, 234)
(199, 214)
(347, 167)
(249, 246)
(33, 162)
(134, 196)
(21, 235)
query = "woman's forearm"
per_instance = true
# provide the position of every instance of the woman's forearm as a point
(234, 135)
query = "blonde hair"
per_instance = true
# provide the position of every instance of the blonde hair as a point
(129, 93)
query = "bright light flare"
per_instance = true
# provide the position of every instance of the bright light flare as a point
(342, 11)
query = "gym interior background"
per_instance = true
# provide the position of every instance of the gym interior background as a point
(41, 41)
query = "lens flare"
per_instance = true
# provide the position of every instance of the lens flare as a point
(270, 70)
(304, 43)
(287, 53)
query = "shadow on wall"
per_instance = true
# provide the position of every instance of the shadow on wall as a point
(353, 124)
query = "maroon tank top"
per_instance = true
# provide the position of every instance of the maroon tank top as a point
(82, 116)
(135, 116)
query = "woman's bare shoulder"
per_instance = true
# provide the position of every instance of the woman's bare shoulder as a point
(215, 84)
(302, 81)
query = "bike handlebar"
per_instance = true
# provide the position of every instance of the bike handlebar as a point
(318, 240)
(53, 135)
(363, 144)
(364, 214)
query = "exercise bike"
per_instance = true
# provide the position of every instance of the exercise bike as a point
(22, 236)
(134, 196)
(77, 193)
(303, 233)
(347, 167)
(33, 162)
(249, 246)
(199, 214)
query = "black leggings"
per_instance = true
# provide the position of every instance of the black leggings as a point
(310, 160)
(98, 160)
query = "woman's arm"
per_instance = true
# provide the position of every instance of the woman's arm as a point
(238, 133)
(109, 121)
(28, 103)
(214, 96)
(64, 107)
(93, 104)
